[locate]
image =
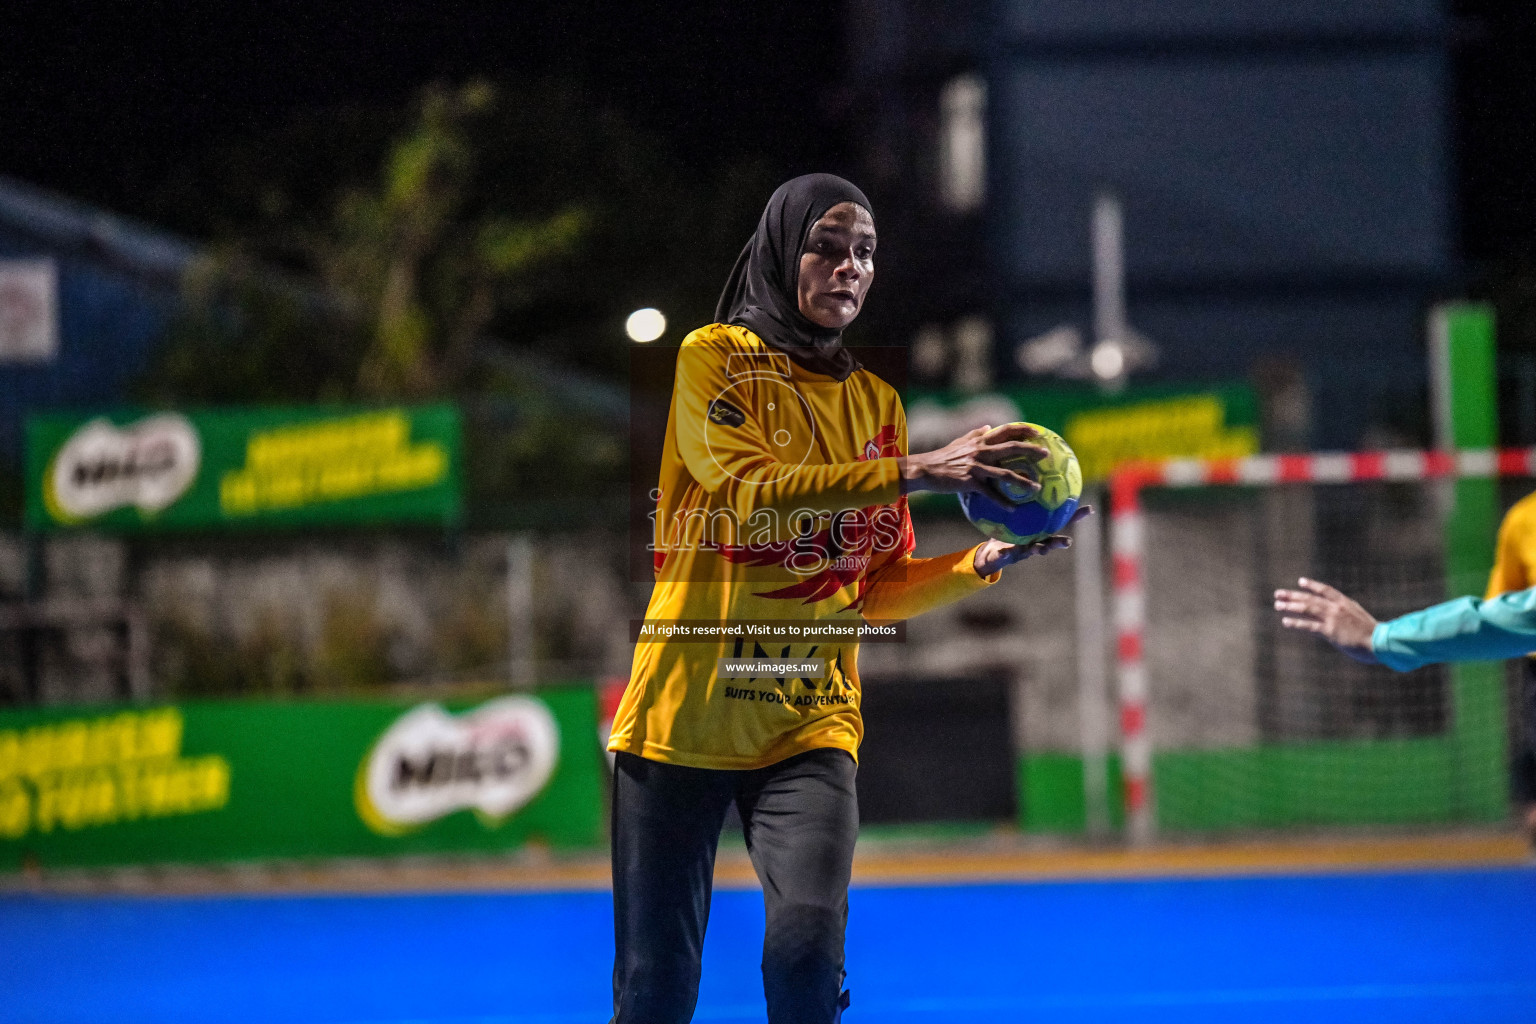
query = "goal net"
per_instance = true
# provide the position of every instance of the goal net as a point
(1229, 720)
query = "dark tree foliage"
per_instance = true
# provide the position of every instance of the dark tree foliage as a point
(483, 246)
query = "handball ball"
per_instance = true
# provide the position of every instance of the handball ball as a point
(1061, 487)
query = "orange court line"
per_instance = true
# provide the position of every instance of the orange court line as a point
(1275, 857)
(876, 864)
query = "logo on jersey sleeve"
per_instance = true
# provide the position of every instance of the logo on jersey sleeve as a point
(882, 446)
(726, 414)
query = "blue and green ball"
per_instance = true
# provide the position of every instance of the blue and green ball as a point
(1061, 488)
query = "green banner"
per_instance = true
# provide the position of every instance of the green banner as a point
(1146, 423)
(233, 469)
(212, 781)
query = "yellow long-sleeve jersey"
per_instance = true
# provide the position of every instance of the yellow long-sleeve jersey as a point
(1514, 566)
(778, 499)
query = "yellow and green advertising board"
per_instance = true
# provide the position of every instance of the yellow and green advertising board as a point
(243, 468)
(1146, 423)
(210, 781)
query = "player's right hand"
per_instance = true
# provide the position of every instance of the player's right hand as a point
(971, 463)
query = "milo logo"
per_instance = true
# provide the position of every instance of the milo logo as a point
(103, 467)
(428, 764)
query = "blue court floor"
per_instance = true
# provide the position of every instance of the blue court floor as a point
(1432, 946)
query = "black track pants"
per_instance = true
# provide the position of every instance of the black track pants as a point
(801, 819)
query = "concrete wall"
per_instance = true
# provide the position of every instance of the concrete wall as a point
(316, 615)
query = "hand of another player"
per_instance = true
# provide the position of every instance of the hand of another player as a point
(1331, 614)
(996, 554)
(969, 464)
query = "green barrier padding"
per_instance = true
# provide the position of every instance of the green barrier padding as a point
(211, 781)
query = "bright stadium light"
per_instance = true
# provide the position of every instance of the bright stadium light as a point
(645, 325)
(1108, 359)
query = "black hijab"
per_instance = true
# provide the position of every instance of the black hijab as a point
(760, 294)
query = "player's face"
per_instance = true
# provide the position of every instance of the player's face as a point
(837, 266)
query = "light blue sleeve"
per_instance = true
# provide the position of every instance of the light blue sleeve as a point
(1465, 629)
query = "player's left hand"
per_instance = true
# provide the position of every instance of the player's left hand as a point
(1331, 614)
(996, 554)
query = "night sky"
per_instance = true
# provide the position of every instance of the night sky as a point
(102, 101)
(1495, 116)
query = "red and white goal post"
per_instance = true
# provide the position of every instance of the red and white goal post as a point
(1131, 485)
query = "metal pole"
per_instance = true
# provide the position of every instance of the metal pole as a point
(31, 646)
(520, 632)
(1127, 544)
(1108, 268)
(1092, 665)
(137, 652)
